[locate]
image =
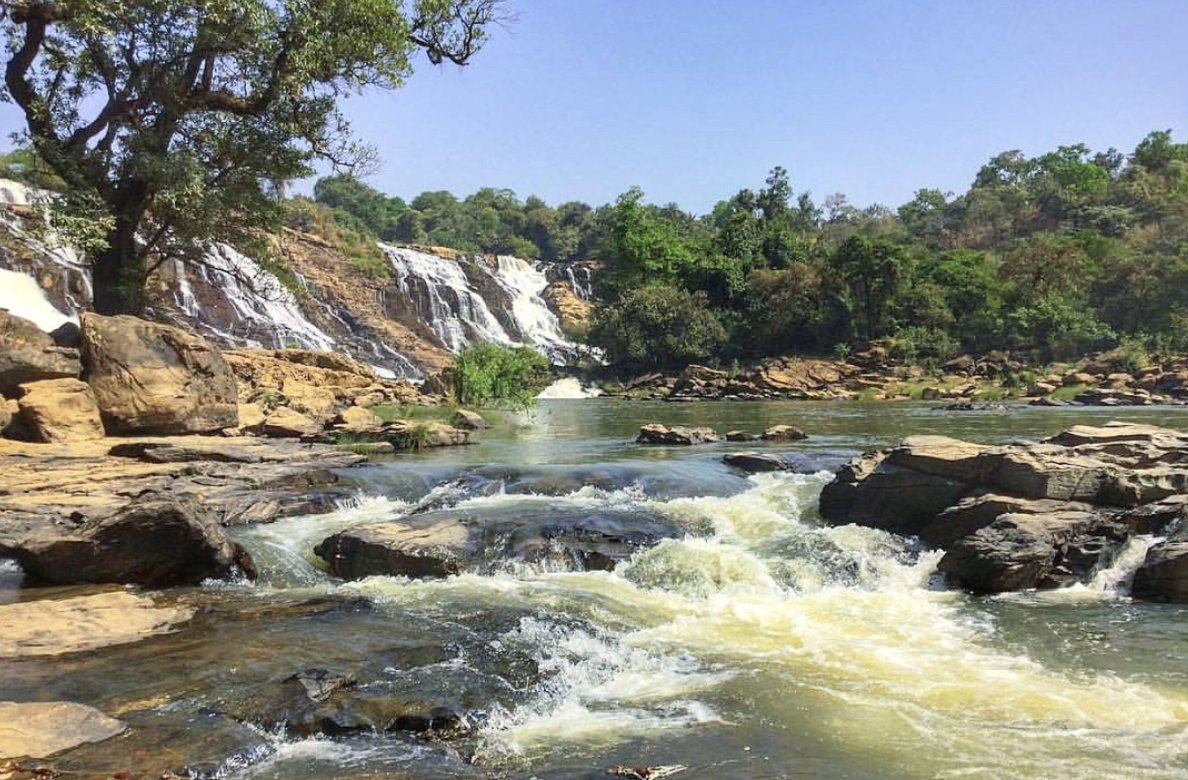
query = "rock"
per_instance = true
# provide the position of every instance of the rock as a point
(973, 513)
(656, 433)
(51, 627)
(406, 435)
(286, 423)
(1019, 552)
(356, 418)
(1048, 401)
(60, 410)
(446, 542)
(1078, 378)
(152, 541)
(251, 417)
(41, 729)
(471, 421)
(29, 355)
(319, 403)
(410, 549)
(8, 410)
(872, 492)
(755, 462)
(67, 335)
(1111, 397)
(740, 436)
(1163, 575)
(783, 433)
(959, 365)
(156, 452)
(1156, 517)
(1041, 389)
(153, 378)
(1113, 432)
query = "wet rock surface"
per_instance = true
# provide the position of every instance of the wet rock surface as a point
(154, 541)
(52, 627)
(450, 541)
(680, 435)
(41, 729)
(1029, 515)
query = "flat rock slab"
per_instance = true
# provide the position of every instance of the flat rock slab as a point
(59, 626)
(680, 435)
(40, 729)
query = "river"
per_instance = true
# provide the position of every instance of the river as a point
(761, 644)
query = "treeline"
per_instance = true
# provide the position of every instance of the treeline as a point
(1058, 254)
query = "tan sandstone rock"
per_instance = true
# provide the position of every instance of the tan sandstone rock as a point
(60, 410)
(41, 729)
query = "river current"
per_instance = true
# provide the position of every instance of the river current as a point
(760, 644)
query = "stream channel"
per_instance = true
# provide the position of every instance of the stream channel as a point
(758, 643)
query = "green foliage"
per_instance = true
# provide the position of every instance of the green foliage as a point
(174, 124)
(658, 325)
(493, 375)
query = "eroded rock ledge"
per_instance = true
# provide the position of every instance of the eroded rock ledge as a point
(1036, 515)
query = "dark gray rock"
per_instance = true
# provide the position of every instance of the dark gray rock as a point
(756, 462)
(1163, 575)
(153, 541)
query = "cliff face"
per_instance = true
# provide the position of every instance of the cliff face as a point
(407, 315)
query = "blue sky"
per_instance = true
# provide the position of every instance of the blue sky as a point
(693, 100)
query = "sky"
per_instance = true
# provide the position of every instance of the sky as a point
(693, 100)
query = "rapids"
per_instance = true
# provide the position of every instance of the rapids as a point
(756, 644)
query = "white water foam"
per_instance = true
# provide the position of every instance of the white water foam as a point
(568, 388)
(23, 297)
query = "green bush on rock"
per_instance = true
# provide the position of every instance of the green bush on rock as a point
(493, 375)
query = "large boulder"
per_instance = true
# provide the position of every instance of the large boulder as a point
(152, 378)
(409, 549)
(783, 433)
(1022, 551)
(153, 541)
(60, 410)
(29, 355)
(1023, 515)
(1163, 575)
(656, 433)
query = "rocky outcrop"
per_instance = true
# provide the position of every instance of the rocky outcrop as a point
(152, 541)
(29, 355)
(783, 433)
(657, 433)
(60, 410)
(756, 462)
(150, 378)
(417, 549)
(41, 729)
(1020, 516)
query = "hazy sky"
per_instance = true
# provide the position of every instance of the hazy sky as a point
(694, 99)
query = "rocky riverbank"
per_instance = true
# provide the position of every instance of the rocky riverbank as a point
(1103, 379)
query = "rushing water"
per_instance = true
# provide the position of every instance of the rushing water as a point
(760, 644)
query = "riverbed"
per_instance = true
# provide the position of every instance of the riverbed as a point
(758, 644)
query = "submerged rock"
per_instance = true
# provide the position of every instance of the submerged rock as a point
(656, 433)
(50, 627)
(755, 462)
(41, 729)
(152, 541)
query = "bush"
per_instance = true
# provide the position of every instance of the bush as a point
(492, 375)
(658, 326)
(918, 344)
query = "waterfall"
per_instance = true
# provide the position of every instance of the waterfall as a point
(238, 302)
(524, 283)
(458, 307)
(442, 296)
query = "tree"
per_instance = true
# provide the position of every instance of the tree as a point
(658, 326)
(873, 269)
(169, 122)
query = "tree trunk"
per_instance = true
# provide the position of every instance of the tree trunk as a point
(117, 272)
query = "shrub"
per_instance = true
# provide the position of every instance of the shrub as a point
(658, 326)
(492, 375)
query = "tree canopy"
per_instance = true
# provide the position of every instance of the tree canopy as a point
(171, 124)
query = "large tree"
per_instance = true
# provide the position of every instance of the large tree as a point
(171, 123)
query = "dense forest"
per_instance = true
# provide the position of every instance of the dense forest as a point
(1056, 254)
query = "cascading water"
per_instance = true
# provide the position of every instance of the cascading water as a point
(455, 309)
(242, 304)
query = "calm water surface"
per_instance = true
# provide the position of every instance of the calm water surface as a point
(759, 645)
